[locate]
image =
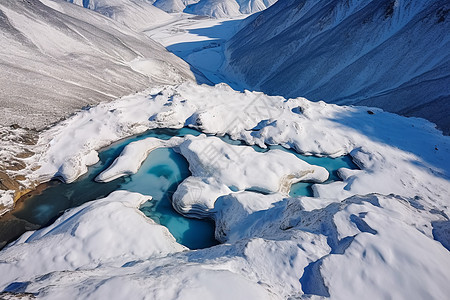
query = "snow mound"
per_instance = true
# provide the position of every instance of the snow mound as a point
(377, 245)
(388, 54)
(85, 237)
(220, 168)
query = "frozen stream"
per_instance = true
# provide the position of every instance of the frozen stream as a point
(200, 42)
(158, 177)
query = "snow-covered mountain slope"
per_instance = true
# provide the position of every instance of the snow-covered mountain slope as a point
(385, 53)
(137, 14)
(60, 57)
(380, 233)
(227, 8)
(170, 6)
(141, 14)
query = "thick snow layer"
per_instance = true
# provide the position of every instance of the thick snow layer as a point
(378, 251)
(220, 168)
(136, 14)
(170, 278)
(236, 214)
(381, 249)
(85, 237)
(61, 57)
(384, 53)
(382, 229)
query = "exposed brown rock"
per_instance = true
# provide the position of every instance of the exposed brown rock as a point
(11, 228)
(25, 154)
(15, 296)
(16, 165)
(35, 168)
(20, 178)
(7, 183)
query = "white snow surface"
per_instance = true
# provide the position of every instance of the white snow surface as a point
(132, 157)
(377, 245)
(378, 234)
(93, 234)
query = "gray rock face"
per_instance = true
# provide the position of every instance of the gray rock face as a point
(384, 53)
